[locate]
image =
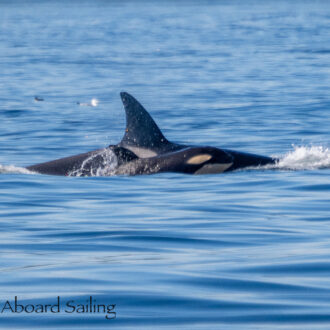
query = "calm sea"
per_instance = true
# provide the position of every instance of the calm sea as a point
(247, 249)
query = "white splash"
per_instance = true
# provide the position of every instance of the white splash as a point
(304, 158)
(7, 169)
(99, 164)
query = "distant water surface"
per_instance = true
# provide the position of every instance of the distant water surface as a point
(248, 249)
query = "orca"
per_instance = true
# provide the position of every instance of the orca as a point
(145, 150)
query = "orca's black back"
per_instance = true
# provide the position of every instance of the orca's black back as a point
(243, 159)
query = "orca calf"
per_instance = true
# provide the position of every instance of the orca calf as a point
(145, 150)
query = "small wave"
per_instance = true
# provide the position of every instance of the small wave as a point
(305, 158)
(14, 169)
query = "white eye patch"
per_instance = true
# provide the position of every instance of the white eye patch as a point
(199, 159)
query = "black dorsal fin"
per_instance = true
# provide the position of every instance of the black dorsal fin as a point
(141, 130)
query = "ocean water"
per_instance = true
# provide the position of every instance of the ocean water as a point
(247, 249)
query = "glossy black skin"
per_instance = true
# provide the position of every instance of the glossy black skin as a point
(176, 161)
(63, 166)
(243, 160)
(143, 133)
(85, 163)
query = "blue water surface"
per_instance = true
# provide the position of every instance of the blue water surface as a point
(247, 249)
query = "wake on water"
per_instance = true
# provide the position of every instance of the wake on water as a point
(301, 158)
(5, 169)
(304, 158)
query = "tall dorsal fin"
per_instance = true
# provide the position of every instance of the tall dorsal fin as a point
(141, 130)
